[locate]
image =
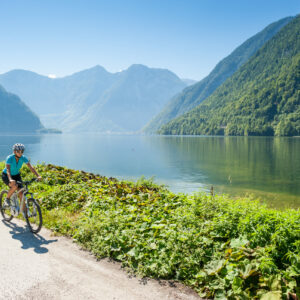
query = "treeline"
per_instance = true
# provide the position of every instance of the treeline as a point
(262, 98)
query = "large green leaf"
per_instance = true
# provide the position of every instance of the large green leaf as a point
(274, 295)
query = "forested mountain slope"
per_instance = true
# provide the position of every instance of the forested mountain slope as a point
(16, 117)
(261, 98)
(193, 95)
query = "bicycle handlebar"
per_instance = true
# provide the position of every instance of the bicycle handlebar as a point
(28, 182)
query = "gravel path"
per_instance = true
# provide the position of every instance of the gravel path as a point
(47, 267)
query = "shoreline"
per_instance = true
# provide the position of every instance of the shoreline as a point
(198, 240)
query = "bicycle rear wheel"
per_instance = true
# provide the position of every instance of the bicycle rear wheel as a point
(5, 208)
(33, 216)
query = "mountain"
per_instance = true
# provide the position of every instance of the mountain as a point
(193, 95)
(51, 98)
(16, 117)
(94, 99)
(261, 98)
(132, 99)
(188, 81)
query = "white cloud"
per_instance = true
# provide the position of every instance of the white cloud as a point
(52, 76)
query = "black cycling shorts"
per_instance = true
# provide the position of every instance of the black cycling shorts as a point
(14, 177)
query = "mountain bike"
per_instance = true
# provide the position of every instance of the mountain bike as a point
(33, 213)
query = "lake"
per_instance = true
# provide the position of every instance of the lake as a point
(262, 167)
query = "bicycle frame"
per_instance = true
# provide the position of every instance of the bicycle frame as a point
(24, 191)
(32, 210)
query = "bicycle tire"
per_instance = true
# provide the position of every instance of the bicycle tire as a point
(34, 221)
(7, 217)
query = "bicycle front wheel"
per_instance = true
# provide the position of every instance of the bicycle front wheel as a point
(33, 216)
(5, 208)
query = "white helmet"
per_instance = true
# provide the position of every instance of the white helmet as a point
(18, 147)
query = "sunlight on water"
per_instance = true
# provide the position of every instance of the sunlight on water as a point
(268, 168)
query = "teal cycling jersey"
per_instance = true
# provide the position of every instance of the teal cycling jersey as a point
(14, 165)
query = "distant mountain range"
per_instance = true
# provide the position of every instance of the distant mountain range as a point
(234, 99)
(261, 98)
(193, 95)
(94, 99)
(16, 117)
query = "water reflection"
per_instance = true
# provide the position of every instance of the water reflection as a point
(266, 166)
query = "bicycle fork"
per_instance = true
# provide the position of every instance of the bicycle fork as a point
(14, 205)
(33, 212)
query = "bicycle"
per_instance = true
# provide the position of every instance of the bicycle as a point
(33, 213)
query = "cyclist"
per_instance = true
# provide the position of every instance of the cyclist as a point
(11, 173)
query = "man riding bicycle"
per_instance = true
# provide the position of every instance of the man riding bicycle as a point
(11, 173)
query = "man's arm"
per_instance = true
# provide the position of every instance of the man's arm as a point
(33, 170)
(11, 181)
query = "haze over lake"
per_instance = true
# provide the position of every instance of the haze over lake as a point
(268, 168)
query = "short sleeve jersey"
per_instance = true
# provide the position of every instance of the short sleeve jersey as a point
(14, 165)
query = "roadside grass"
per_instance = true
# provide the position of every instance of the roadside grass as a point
(222, 248)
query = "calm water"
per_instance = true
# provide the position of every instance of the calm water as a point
(268, 168)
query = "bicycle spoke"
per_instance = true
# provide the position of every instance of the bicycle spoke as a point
(5, 208)
(34, 216)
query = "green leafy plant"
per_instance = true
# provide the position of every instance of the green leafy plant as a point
(223, 248)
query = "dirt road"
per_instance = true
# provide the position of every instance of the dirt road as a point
(47, 267)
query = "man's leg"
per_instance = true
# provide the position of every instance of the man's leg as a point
(11, 191)
(12, 186)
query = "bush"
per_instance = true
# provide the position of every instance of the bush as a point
(222, 248)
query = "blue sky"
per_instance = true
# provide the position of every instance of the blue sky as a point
(188, 37)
